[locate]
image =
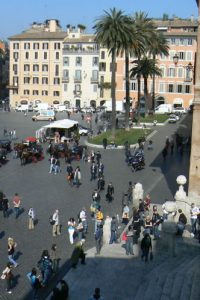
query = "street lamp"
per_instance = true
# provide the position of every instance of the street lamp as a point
(175, 59)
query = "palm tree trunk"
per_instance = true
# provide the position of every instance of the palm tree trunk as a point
(146, 95)
(139, 95)
(153, 89)
(113, 94)
(127, 77)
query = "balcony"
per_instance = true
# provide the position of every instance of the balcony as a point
(86, 50)
(12, 86)
(94, 80)
(77, 79)
(188, 79)
(77, 93)
(65, 79)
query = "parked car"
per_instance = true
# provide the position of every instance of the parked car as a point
(179, 109)
(172, 119)
(44, 115)
(61, 108)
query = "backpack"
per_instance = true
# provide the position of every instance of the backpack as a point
(51, 221)
(99, 215)
(147, 241)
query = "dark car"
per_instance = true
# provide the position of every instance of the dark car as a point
(6, 144)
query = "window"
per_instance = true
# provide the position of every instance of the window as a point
(77, 87)
(44, 93)
(45, 46)
(95, 75)
(56, 93)
(15, 81)
(170, 88)
(35, 92)
(161, 87)
(44, 80)
(26, 55)
(56, 81)
(180, 72)
(65, 73)
(171, 72)
(57, 55)
(162, 56)
(16, 46)
(133, 86)
(173, 41)
(45, 55)
(162, 69)
(15, 92)
(65, 87)
(66, 61)
(15, 55)
(95, 61)
(35, 68)
(182, 41)
(182, 55)
(102, 66)
(102, 79)
(36, 46)
(189, 55)
(95, 86)
(102, 54)
(26, 92)
(187, 89)
(26, 46)
(15, 69)
(77, 75)
(56, 70)
(35, 80)
(190, 42)
(56, 46)
(26, 68)
(44, 68)
(36, 55)
(26, 80)
(179, 88)
(78, 61)
(171, 55)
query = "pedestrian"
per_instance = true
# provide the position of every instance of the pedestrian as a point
(83, 217)
(78, 253)
(14, 134)
(5, 206)
(16, 204)
(57, 166)
(98, 157)
(172, 147)
(98, 235)
(165, 212)
(71, 229)
(164, 153)
(77, 177)
(64, 290)
(8, 276)
(56, 225)
(11, 250)
(129, 241)
(54, 258)
(194, 211)
(110, 192)
(100, 169)
(96, 295)
(147, 202)
(93, 171)
(105, 143)
(98, 218)
(156, 221)
(52, 164)
(96, 196)
(70, 173)
(45, 266)
(35, 282)
(182, 221)
(146, 245)
(113, 231)
(79, 230)
(130, 192)
(148, 227)
(31, 218)
(100, 183)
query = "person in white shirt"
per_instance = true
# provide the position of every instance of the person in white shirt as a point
(56, 225)
(83, 218)
(31, 217)
(194, 211)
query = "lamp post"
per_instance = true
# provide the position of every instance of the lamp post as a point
(176, 59)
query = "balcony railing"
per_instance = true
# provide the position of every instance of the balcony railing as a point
(77, 93)
(188, 79)
(80, 51)
(94, 80)
(77, 80)
(65, 79)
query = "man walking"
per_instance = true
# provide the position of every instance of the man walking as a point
(113, 229)
(31, 217)
(194, 211)
(16, 204)
(98, 238)
(56, 225)
(146, 245)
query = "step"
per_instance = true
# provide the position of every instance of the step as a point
(195, 290)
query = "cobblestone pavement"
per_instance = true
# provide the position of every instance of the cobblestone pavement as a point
(46, 192)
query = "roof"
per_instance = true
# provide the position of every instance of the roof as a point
(65, 124)
(39, 35)
(177, 23)
(82, 39)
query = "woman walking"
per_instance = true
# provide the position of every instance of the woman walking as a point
(11, 250)
(71, 229)
(31, 217)
(8, 276)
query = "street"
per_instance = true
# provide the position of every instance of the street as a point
(46, 192)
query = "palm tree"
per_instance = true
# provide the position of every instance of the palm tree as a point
(158, 47)
(113, 30)
(145, 27)
(146, 67)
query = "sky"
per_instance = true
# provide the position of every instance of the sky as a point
(18, 15)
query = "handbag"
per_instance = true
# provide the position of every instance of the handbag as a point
(124, 237)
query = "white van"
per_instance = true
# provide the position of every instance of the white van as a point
(41, 106)
(164, 109)
(44, 115)
(22, 107)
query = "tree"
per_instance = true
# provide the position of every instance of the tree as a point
(158, 47)
(81, 27)
(146, 67)
(113, 31)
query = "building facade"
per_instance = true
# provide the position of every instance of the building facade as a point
(176, 86)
